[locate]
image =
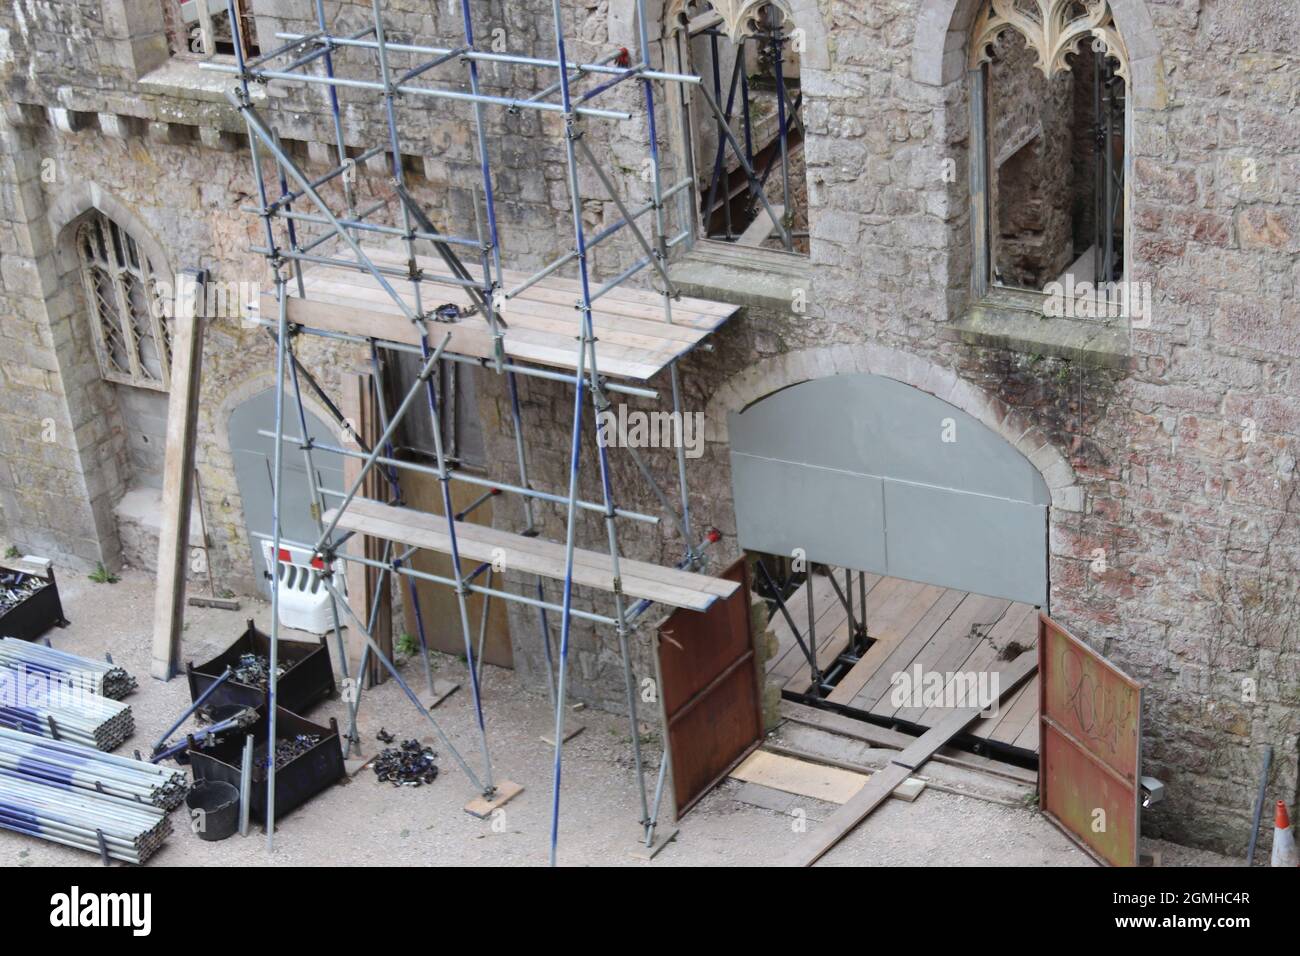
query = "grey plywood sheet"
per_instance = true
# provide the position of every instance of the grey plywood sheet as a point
(869, 424)
(836, 517)
(973, 543)
(864, 472)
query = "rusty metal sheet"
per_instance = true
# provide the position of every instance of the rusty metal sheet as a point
(1089, 772)
(709, 691)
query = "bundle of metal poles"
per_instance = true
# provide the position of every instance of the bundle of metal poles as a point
(88, 769)
(77, 717)
(61, 813)
(99, 677)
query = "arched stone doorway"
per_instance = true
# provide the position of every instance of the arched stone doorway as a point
(253, 456)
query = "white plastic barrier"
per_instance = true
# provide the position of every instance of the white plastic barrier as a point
(304, 601)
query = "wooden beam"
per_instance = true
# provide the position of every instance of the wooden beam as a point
(359, 408)
(880, 786)
(178, 482)
(886, 738)
(685, 589)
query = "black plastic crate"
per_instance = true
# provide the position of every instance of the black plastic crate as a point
(295, 783)
(309, 681)
(37, 613)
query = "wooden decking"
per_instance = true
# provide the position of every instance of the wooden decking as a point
(684, 589)
(938, 629)
(634, 341)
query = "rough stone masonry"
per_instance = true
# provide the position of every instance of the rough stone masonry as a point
(1175, 524)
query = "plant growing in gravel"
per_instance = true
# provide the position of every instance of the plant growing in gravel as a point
(101, 575)
(407, 644)
(12, 551)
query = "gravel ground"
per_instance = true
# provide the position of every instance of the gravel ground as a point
(365, 822)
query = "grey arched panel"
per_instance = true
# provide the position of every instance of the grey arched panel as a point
(864, 472)
(254, 465)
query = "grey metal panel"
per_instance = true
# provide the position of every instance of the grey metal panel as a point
(840, 522)
(253, 468)
(985, 545)
(854, 470)
(874, 425)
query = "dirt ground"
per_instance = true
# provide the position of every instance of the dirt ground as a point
(364, 822)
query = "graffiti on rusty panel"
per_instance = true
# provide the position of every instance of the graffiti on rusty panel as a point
(1091, 701)
(1103, 712)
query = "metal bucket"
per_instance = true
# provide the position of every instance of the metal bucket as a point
(217, 804)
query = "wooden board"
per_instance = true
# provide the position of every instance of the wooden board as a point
(807, 779)
(709, 698)
(178, 487)
(438, 603)
(640, 579)
(939, 630)
(879, 787)
(883, 737)
(634, 340)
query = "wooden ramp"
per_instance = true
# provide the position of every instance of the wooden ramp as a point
(913, 625)
(543, 322)
(683, 589)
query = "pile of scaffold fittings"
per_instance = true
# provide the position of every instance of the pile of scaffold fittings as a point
(409, 765)
(78, 797)
(99, 677)
(57, 695)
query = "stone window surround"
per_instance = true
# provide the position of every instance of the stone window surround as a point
(139, 28)
(1052, 50)
(940, 58)
(121, 263)
(805, 15)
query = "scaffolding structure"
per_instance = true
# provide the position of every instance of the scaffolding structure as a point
(393, 313)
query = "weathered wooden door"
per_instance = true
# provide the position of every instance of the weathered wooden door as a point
(709, 691)
(1090, 746)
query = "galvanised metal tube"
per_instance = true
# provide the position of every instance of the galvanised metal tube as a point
(392, 670)
(421, 379)
(393, 483)
(37, 768)
(463, 477)
(277, 497)
(212, 688)
(374, 227)
(506, 58)
(18, 814)
(91, 769)
(100, 677)
(406, 89)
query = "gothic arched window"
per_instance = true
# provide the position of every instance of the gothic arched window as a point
(1049, 145)
(747, 140)
(131, 335)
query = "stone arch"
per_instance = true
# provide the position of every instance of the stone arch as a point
(939, 47)
(227, 529)
(791, 368)
(806, 14)
(74, 201)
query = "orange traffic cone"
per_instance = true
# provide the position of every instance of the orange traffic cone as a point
(1284, 850)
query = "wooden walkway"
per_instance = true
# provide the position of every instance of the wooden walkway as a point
(913, 625)
(685, 589)
(543, 322)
